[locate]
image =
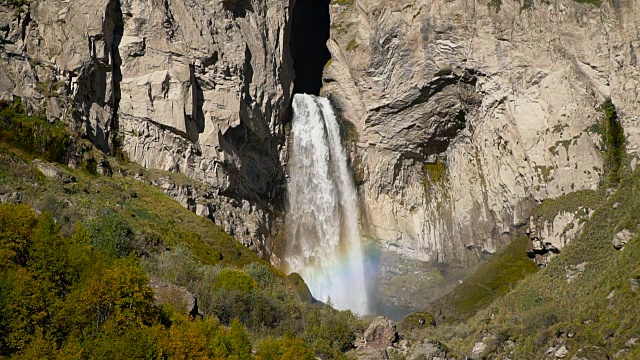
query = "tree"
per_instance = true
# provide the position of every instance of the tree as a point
(16, 225)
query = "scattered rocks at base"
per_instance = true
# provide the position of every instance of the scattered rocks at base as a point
(48, 170)
(427, 350)
(178, 296)
(370, 354)
(54, 172)
(561, 352)
(573, 271)
(590, 353)
(11, 198)
(381, 333)
(478, 349)
(300, 287)
(622, 238)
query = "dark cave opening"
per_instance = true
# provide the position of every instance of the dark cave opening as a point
(308, 43)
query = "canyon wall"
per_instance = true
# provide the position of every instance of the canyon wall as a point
(468, 113)
(196, 87)
(462, 115)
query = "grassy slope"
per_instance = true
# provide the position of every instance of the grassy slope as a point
(157, 221)
(598, 307)
(174, 243)
(492, 279)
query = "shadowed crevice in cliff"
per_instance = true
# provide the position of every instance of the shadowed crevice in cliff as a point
(310, 32)
(116, 75)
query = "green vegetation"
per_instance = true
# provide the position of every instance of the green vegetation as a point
(352, 45)
(418, 320)
(493, 279)
(49, 88)
(348, 130)
(572, 202)
(342, 2)
(326, 66)
(285, 348)
(300, 288)
(596, 308)
(526, 5)
(434, 173)
(557, 129)
(18, 4)
(234, 280)
(495, 5)
(340, 28)
(613, 142)
(596, 3)
(63, 298)
(33, 135)
(545, 171)
(74, 282)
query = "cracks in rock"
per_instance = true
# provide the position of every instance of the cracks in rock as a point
(116, 73)
(164, 127)
(195, 123)
(25, 25)
(168, 22)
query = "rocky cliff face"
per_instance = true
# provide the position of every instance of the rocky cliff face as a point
(469, 113)
(197, 87)
(463, 114)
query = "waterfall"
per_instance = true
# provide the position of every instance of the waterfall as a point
(322, 214)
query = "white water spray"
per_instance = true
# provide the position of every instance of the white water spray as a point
(322, 216)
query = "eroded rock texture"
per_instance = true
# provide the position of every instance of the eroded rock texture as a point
(464, 115)
(468, 115)
(196, 87)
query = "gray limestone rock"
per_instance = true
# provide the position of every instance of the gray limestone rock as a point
(381, 333)
(192, 86)
(178, 296)
(466, 117)
(622, 238)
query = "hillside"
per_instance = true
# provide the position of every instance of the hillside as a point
(79, 249)
(180, 178)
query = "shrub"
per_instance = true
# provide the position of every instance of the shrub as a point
(285, 348)
(260, 273)
(111, 234)
(418, 320)
(34, 135)
(235, 280)
(614, 142)
(326, 327)
(16, 224)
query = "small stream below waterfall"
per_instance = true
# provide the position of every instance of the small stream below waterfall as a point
(324, 243)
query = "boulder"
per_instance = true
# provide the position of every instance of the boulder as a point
(178, 296)
(381, 333)
(427, 350)
(300, 287)
(561, 352)
(478, 349)
(573, 271)
(622, 238)
(11, 198)
(48, 170)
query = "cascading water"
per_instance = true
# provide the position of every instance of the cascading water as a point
(322, 215)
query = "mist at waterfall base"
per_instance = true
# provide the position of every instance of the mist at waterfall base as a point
(324, 244)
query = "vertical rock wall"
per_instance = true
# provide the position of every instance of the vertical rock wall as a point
(468, 115)
(190, 86)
